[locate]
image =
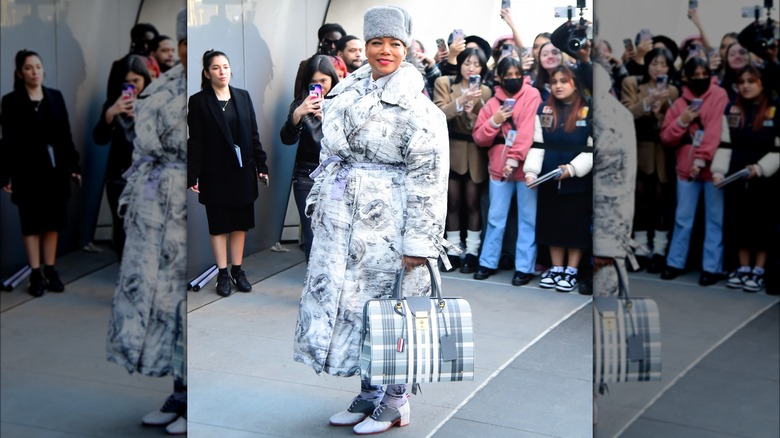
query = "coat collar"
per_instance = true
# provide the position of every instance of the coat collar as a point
(215, 108)
(400, 90)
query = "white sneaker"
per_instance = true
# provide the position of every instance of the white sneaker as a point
(737, 279)
(178, 427)
(159, 418)
(383, 418)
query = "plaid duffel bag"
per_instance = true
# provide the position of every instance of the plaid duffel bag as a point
(417, 339)
(626, 338)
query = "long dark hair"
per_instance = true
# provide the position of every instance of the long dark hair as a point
(655, 53)
(689, 69)
(207, 57)
(317, 63)
(576, 104)
(135, 64)
(763, 99)
(505, 64)
(22, 56)
(466, 54)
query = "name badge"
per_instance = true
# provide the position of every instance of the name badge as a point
(546, 120)
(734, 120)
(510, 138)
(698, 137)
(769, 123)
(547, 110)
(581, 123)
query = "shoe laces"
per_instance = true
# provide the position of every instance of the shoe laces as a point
(378, 411)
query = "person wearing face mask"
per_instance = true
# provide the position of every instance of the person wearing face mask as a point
(750, 141)
(508, 133)
(693, 129)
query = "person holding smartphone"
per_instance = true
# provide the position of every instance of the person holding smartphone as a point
(563, 140)
(461, 98)
(39, 163)
(648, 98)
(693, 126)
(377, 205)
(304, 127)
(224, 161)
(116, 127)
(506, 129)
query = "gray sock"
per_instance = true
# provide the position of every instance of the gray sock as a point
(370, 392)
(395, 395)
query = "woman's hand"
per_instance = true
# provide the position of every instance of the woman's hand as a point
(442, 53)
(689, 115)
(695, 171)
(564, 172)
(263, 178)
(456, 48)
(529, 179)
(528, 61)
(195, 188)
(123, 105)
(508, 170)
(506, 15)
(715, 61)
(502, 115)
(752, 171)
(643, 48)
(7, 187)
(424, 60)
(76, 178)
(310, 105)
(411, 262)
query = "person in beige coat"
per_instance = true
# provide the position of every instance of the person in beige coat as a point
(461, 102)
(648, 97)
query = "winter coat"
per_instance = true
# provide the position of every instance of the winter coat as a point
(487, 135)
(380, 194)
(714, 101)
(37, 174)
(464, 154)
(143, 328)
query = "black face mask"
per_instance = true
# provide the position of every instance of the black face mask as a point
(512, 86)
(699, 86)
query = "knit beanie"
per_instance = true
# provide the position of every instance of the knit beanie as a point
(387, 21)
(181, 25)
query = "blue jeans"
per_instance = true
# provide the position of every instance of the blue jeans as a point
(302, 185)
(688, 193)
(500, 199)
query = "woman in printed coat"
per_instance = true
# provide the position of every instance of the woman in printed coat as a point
(148, 314)
(378, 203)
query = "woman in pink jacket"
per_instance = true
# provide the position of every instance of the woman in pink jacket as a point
(693, 126)
(508, 133)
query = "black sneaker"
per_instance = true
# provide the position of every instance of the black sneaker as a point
(657, 263)
(521, 278)
(454, 263)
(37, 287)
(483, 273)
(223, 285)
(53, 282)
(469, 265)
(550, 279)
(567, 283)
(239, 279)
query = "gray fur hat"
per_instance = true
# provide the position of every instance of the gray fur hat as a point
(181, 25)
(387, 21)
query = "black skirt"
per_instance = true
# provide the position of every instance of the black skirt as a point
(40, 217)
(563, 220)
(224, 219)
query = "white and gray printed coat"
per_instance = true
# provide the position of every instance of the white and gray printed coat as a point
(382, 194)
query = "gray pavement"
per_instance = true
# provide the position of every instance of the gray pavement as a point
(534, 360)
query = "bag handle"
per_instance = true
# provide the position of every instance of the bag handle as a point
(435, 288)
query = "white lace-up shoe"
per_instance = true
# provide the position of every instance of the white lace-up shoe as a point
(383, 418)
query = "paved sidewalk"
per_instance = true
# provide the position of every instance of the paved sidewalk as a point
(721, 366)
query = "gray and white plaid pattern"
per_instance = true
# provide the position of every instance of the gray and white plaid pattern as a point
(612, 363)
(420, 361)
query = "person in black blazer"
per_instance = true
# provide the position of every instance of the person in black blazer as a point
(224, 158)
(40, 159)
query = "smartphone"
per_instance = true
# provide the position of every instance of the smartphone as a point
(474, 81)
(645, 34)
(693, 4)
(128, 90)
(526, 52)
(661, 81)
(506, 50)
(315, 90)
(509, 104)
(628, 44)
(505, 4)
(696, 103)
(457, 34)
(440, 43)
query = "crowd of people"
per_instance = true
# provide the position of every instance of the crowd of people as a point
(703, 112)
